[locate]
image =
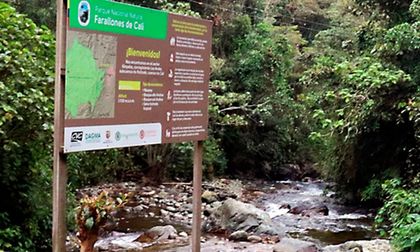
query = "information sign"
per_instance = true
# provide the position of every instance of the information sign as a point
(134, 76)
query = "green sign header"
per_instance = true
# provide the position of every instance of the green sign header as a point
(113, 17)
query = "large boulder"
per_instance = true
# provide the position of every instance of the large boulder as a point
(378, 245)
(294, 245)
(234, 215)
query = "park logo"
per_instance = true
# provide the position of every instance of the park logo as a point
(108, 135)
(84, 13)
(118, 136)
(93, 137)
(142, 134)
(76, 137)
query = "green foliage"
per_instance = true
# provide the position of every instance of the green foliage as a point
(93, 212)
(42, 12)
(91, 168)
(182, 8)
(226, 39)
(401, 39)
(181, 165)
(334, 42)
(227, 108)
(26, 107)
(401, 210)
(253, 109)
(261, 62)
(393, 10)
(214, 160)
(373, 192)
(11, 239)
(356, 91)
(415, 9)
(356, 104)
(353, 103)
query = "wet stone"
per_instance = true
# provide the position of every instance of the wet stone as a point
(254, 238)
(138, 208)
(294, 245)
(238, 236)
(171, 209)
(183, 234)
(163, 212)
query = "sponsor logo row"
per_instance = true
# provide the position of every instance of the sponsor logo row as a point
(109, 136)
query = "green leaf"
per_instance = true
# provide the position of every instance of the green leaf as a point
(90, 222)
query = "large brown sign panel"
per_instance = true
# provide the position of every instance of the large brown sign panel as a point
(134, 76)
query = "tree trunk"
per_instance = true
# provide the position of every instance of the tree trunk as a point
(155, 174)
(87, 244)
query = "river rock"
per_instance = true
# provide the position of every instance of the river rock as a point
(224, 195)
(147, 193)
(294, 245)
(120, 242)
(254, 238)
(308, 209)
(163, 212)
(210, 208)
(138, 209)
(171, 209)
(158, 233)
(183, 234)
(378, 245)
(238, 236)
(215, 204)
(209, 197)
(234, 215)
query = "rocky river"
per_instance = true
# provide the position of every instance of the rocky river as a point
(286, 216)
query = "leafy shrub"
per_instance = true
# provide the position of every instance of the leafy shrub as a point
(357, 116)
(11, 239)
(415, 9)
(26, 108)
(402, 211)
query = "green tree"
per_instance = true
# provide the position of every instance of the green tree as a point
(26, 107)
(259, 70)
(42, 12)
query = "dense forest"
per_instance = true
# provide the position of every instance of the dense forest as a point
(330, 88)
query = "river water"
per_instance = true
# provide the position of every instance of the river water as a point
(343, 223)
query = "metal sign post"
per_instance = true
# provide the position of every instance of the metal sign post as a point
(60, 170)
(197, 179)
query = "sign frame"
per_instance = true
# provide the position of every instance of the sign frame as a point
(152, 80)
